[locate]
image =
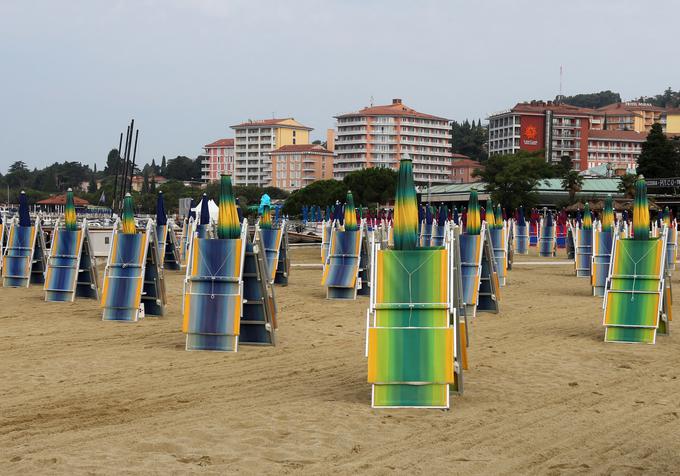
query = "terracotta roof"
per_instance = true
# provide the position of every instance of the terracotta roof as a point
(617, 135)
(221, 143)
(316, 148)
(394, 109)
(468, 163)
(271, 122)
(156, 178)
(459, 156)
(622, 107)
(61, 200)
(561, 109)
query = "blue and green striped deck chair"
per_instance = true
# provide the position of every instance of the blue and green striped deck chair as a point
(411, 342)
(603, 242)
(341, 270)
(258, 319)
(499, 245)
(213, 294)
(438, 234)
(521, 238)
(426, 230)
(124, 276)
(326, 231)
(168, 251)
(185, 239)
(546, 239)
(271, 242)
(671, 246)
(63, 264)
(583, 252)
(633, 295)
(17, 261)
(283, 266)
(489, 285)
(471, 269)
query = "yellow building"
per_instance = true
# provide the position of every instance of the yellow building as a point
(255, 140)
(630, 116)
(672, 118)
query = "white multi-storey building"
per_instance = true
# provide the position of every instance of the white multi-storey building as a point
(377, 136)
(255, 140)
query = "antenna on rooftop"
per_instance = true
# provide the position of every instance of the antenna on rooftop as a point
(371, 100)
(561, 72)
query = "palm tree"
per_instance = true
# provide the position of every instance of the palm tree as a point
(627, 185)
(572, 182)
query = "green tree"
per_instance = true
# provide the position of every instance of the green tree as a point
(627, 185)
(19, 176)
(112, 161)
(659, 158)
(511, 179)
(323, 193)
(92, 186)
(592, 100)
(145, 181)
(181, 168)
(572, 182)
(469, 139)
(163, 169)
(372, 185)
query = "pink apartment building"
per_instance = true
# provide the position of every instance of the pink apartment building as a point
(218, 160)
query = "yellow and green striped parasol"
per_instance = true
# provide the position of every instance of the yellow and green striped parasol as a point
(608, 214)
(350, 213)
(474, 220)
(70, 212)
(405, 208)
(228, 226)
(587, 218)
(128, 218)
(266, 218)
(641, 211)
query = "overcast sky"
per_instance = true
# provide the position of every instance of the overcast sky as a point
(73, 73)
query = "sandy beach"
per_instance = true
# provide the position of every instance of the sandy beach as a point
(544, 394)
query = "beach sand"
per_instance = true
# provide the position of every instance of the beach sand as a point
(543, 395)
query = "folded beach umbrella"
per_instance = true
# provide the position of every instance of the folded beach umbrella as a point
(266, 218)
(350, 213)
(239, 212)
(337, 213)
(667, 217)
(24, 215)
(192, 213)
(579, 217)
(421, 213)
(161, 217)
(405, 208)
(228, 226)
(70, 212)
(204, 218)
(304, 213)
(608, 214)
(264, 200)
(277, 213)
(534, 217)
(521, 220)
(474, 220)
(429, 218)
(587, 218)
(455, 217)
(328, 213)
(548, 218)
(442, 215)
(489, 215)
(499, 216)
(128, 218)
(624, 216)
(640, 211)
(504, 215)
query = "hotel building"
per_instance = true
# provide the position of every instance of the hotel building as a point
(218, 159)
(255, 140)
(618, 150)
(631, 116)
(378, 136)
(558, 129)
(296, 166)
(463, 168)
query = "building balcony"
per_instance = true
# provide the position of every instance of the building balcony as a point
(347, 131)
(352, 122)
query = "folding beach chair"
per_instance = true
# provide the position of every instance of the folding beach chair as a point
(132, 277)
(364, 262)
(438, 234)
(168, 250)
(71, 266)
(411, 342)
(471, 247)
(546, 240)
(671, 246)
(271, 243)
(425, 233)
(499, 247)
(326, 230)
(341, 270)
(603, 241)
(258, 319)
(212, 293)
(3, 238)
(634, 291)
(489, 285)
(23, 258)
(521, 238)
(583, 251)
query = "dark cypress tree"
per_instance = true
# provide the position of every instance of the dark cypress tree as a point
(658, 158)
